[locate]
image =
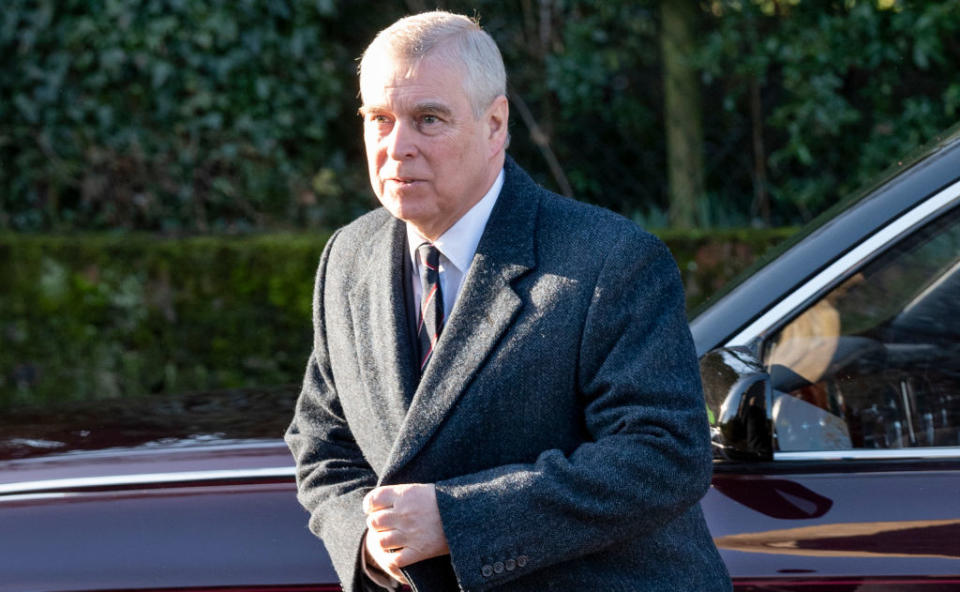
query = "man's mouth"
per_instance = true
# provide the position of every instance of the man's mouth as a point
(403, 180)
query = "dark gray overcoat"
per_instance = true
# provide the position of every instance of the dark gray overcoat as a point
(561, 416)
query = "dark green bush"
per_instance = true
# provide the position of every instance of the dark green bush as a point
(709, 259)
(175, 114)
(844, 89)
(104, 316)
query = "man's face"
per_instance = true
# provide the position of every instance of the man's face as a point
(430, 158)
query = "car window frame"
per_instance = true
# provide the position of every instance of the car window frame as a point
(818, 285)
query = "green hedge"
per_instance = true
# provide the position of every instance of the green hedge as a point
(103, 316)
(106, 316)
(164, 115)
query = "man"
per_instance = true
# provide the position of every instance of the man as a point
(503, 393)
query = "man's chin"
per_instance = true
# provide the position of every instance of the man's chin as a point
(406, 205)
(413, 213)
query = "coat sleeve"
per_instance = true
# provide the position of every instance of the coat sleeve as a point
(647, 458)
(332, 473)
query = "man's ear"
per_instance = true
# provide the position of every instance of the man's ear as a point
(496, 117)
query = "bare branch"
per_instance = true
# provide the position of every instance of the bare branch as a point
(542, 141)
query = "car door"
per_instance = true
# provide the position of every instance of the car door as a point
(863, 491)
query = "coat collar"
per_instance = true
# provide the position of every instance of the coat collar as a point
(485, 309)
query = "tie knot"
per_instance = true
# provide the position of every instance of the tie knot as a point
(429, 256)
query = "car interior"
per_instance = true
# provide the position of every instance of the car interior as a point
(875, 362)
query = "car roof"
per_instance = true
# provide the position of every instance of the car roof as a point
(188, 420)
(220, 436)
(823, 240)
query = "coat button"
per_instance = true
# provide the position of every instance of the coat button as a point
(522, 560)
(498, 567)
(487, 571)
(510, 564)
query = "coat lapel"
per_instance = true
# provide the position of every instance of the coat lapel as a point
(485, 309)
(379, 313)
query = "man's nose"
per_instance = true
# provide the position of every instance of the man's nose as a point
(401, 143)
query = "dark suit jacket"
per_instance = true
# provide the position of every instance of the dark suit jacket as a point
(561, 416)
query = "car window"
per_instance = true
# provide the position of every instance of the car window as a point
(875, 363)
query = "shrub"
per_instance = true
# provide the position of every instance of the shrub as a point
(174, 114)
(106, 316)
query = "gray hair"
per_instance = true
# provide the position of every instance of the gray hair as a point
(456, 38)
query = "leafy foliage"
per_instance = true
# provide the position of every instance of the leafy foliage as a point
(186, 116)
(173, 114)
(589, 72)
(104, 316)
(848, 87)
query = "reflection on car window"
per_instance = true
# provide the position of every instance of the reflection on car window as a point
(875, 363)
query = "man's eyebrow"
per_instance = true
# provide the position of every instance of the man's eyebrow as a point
(433, 107)
(425, 107)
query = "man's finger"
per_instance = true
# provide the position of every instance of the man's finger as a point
(389, 540)
(381, 559)
(382, 520)
(378, 499)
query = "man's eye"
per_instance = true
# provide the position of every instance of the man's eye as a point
(377, 118)
(429, 119)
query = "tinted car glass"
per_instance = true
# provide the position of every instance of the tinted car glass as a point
(875, 363)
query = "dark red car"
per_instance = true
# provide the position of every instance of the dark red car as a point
(832, 374)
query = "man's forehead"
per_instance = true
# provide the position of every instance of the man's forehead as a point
(400, 83)
(384, 70)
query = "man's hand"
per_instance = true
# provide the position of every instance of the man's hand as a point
(403, 527)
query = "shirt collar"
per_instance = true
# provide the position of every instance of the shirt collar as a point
(459, 243)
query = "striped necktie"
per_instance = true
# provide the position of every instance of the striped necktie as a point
(430, 322)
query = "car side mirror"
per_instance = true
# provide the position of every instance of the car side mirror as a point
(739, 401)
